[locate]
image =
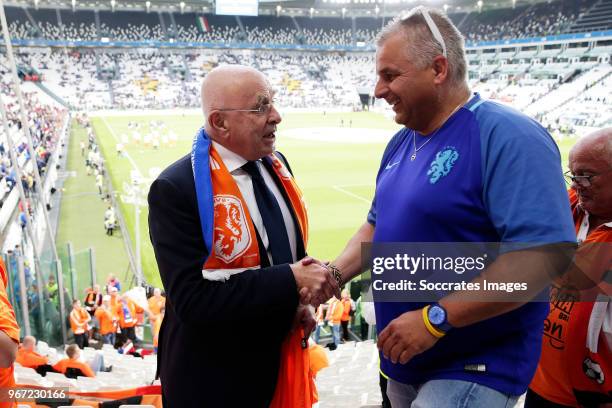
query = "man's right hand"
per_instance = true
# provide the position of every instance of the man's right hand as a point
(315, 283)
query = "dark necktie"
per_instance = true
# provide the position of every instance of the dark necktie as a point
(271, 215)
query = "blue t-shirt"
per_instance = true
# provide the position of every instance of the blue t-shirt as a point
(490, 174)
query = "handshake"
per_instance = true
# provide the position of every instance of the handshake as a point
(315, 281)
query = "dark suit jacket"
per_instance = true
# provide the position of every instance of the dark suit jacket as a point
(219, 344)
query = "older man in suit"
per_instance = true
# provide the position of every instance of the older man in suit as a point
(229, 226)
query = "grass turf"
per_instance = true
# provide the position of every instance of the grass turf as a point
(337, 179)
(81, 222)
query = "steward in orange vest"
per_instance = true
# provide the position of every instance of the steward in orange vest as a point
(79, 323)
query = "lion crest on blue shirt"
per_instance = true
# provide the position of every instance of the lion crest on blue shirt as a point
(442, 164)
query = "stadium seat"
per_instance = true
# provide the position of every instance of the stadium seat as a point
(42, 346)
(31, 381)
(67, 383)
(55, 376)
(88, 384)
(24, 370)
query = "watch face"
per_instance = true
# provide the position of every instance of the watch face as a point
(436, 315)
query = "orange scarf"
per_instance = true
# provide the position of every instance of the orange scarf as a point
(231, 241)
(235, 243)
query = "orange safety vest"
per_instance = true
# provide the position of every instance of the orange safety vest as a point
(78, 320)
(335, 311)
(346, 312)
(91, 299)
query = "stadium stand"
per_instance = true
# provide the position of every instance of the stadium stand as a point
(351, 380)
(520, 75)
(138, 81)
(45, 122)
(539, 19)
(597, 18)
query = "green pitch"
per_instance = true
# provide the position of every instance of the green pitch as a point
(335, 171)
(337, 177)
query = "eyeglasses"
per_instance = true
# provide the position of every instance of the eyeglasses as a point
(584, 181)
(435, 31)
(263, 109)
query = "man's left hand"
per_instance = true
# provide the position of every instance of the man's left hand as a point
(405, 337)
(304, 318)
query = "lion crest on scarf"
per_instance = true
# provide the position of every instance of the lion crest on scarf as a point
(231, 235)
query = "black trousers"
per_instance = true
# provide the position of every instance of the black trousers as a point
(82, 340)
(345, 333)
(130, 333)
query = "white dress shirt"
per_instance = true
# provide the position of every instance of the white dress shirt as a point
(234, 164)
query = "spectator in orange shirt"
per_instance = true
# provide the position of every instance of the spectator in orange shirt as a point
(157, 326)
(575, 368)
(156, 303)
(126, 310)
(27, 356)
(347, 306)
(79, 323)
(72, 362)
(9, 337)
(107, 320)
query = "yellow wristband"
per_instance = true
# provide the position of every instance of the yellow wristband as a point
(435, 332)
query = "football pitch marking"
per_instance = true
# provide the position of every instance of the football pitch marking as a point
(351, 194)
(125, 153)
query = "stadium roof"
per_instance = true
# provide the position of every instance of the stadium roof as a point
(316, 8)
